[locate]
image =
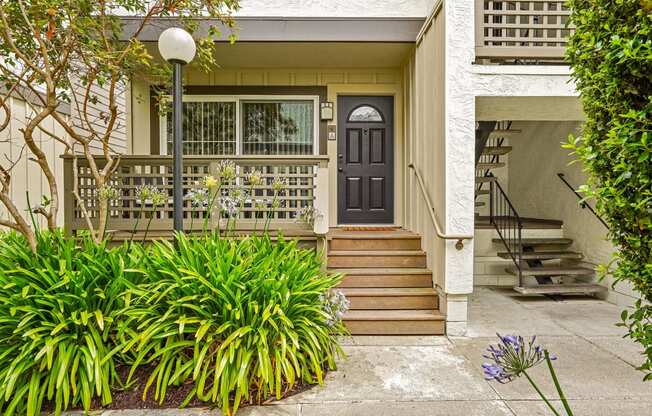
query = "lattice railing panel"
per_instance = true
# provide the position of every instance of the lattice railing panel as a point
(521, 29)
(296, 173)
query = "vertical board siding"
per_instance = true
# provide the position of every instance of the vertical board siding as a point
(423, 78)
(98, 111)
(26, 176)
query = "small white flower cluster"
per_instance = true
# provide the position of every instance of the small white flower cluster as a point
(149, 194)
(335, 305)
(307, 215)
(198, 197)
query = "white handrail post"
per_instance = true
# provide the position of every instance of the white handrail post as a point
(320, 226)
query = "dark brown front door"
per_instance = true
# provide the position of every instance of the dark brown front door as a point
(365, 160)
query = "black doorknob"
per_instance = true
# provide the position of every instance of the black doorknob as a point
(340, 170)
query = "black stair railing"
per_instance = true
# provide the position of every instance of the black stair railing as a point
(483, 140)
(583, 203)
(508, 224)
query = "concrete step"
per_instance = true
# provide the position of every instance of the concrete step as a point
(587, 288)
(552, 271)
(376, 258)
(490, 165)
(395, 322)
(546, 255)
(385, 277)
(392, 298)
(358, 241)
(538, 241)
(496, 150)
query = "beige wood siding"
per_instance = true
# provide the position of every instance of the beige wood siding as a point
(26, 176)
(344, 81)
(423, 78)
(97, 114)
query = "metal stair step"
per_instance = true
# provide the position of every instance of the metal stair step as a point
(485, 179)
(545, 255)
(498, 133)
(482, 192)
(537, 241)
(552, 271)
(490, 165)
(496, 150)
(480, 204)
(560, 289)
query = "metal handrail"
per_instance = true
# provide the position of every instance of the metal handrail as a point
(583, 203)
(431, 210)
(504, 224)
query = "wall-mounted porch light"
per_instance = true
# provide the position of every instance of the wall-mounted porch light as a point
(326, 111)
(178, 48)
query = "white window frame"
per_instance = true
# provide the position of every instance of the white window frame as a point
(238, 99)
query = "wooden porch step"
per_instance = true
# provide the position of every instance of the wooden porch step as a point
(496, 150)
(376, 258)
(392, 298)
(375, 241)
(587, 288)
(386, 277)
(485, 179)
(552, 271)
(395, 322)
(546, 255)
(538, 241)
(490, 165)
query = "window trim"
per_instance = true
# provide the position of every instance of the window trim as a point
(238, 99)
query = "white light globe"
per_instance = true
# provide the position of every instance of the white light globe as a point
(175, 44)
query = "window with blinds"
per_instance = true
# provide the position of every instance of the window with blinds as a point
(229, 125)
(208, 128)
(278, 127)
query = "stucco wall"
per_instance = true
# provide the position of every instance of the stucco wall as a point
(536, 191)
(335, 8)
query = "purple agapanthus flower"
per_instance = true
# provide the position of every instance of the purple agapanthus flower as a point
(511, 357)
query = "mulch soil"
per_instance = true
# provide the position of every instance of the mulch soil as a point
(132, 398)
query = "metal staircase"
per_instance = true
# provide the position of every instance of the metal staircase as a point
(542, 265)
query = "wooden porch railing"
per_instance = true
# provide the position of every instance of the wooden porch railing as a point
(527, 29)
(306, 179)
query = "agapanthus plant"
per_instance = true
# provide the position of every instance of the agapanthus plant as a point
(513, 356)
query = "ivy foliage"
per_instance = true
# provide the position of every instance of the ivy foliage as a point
(611, 58)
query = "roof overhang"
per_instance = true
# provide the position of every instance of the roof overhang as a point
(295, 29)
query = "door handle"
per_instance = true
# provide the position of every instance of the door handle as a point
(340, 170)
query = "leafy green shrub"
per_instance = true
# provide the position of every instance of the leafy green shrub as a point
(244, 319)
(58, 311)
(611, 58)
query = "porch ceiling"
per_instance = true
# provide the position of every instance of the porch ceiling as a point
(308, 54)
(295, 29)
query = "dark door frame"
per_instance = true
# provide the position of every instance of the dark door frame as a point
(391, 131)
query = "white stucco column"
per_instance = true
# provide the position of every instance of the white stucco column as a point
(460, 160)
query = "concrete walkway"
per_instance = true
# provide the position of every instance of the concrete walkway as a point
(433, 376)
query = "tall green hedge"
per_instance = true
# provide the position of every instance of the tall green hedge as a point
(611, 58)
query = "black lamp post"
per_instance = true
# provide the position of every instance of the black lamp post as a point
(178, 48)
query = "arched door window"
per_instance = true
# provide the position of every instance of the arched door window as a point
(365, 114)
